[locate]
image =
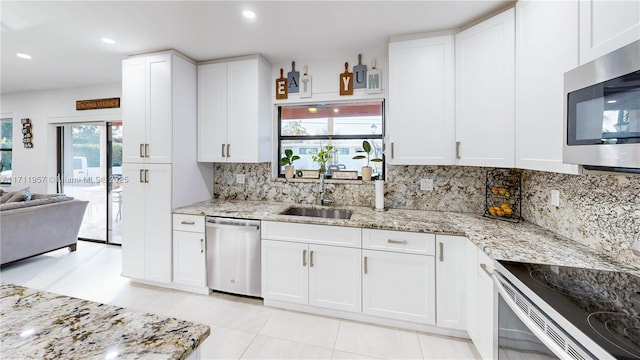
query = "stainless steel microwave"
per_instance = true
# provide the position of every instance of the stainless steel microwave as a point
(602, 112)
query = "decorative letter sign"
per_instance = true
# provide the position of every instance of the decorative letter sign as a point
(293, 79)
(360, 74)
(346, 81)
(281, 86)
(305, 84)
(374, 78)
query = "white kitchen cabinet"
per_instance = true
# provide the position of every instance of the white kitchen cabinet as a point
(451, 291)
(399, 286)
(421, 118)
(481, 302)
(147, 108)
(234, 110)
(484, 66)
(335, 277)
(546, 48)
(189, 251)
(285, 271)
(146, 222)
(606, 26)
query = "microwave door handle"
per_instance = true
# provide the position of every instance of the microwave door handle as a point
(555, 348)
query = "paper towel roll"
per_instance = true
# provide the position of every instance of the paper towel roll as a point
(379, 194)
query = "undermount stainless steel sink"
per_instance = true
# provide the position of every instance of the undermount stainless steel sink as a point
(321, 213)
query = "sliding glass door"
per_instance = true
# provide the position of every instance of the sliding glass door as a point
(90, 157)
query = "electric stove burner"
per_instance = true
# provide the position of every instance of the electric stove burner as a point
(576, 288)
(619, 329)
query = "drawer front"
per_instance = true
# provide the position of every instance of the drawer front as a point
(312, 234)
(192, 223)
(399, 241)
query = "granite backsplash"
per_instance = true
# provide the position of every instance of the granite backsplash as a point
(600, 211)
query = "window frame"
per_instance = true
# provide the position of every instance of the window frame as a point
(9, 150)
(381, 136)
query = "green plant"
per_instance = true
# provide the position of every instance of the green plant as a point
(366, 148)
(288, 158)
(323, 156)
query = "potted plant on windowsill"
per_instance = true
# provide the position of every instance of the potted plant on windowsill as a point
(323, 156)
(287, 162)
(366, 170)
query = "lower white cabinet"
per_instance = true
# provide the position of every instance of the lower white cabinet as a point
(284, 271)
(482, 304)
(189, 258)
(335, 277)
(399, 286)
(451, 282)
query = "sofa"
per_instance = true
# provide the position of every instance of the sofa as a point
(32, 225)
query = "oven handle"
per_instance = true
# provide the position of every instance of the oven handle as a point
(555, 348)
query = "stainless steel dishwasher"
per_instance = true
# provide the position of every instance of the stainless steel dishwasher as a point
(233, 255)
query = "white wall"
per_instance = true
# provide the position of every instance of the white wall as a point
(36, 167)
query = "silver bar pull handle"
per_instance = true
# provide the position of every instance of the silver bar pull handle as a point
(401, 242)
(365, 265)
(484, 268)
(304, 258)
(392, 152)
(311, 258)
(146, 150)
(228, 150)
(222, 150)
(441, 252)
(457, 149)
(188, 222)
(146, 176)
(201, 246)
(141, 150)
(141, 175)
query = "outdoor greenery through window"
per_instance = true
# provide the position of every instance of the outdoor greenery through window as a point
(305, 129)
(6, 150)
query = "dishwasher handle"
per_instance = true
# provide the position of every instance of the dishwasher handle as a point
(232, 226)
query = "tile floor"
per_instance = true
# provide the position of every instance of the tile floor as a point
(242, 328)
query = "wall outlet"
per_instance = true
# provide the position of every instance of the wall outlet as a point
(555, 198)
(239, 178)
(426, 184)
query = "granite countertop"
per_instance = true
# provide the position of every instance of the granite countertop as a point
(501, 240)
(43, 325)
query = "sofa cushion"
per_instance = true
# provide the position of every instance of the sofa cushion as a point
(17, 196)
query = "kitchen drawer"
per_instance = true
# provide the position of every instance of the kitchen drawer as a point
(312, 234)
(399, 241)
(192, 223)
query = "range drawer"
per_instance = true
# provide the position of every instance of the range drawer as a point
(312, 234)
(193, 223)
(399, 241)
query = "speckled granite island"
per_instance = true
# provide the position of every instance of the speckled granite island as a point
(500, 240)
(43, 325)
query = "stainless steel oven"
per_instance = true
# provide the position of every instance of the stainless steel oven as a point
(556, 312)
(602, 112)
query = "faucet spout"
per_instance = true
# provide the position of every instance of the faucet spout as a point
(323, 201)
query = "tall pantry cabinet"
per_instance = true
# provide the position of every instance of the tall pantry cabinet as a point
(159, 116)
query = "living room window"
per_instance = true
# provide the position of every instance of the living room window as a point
(6, 150)
(304, 129)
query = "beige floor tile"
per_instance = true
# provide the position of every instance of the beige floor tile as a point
(445, 347)
(264, 347)
(225, 343)
(308, 329)
(341, 355)
(378, 341)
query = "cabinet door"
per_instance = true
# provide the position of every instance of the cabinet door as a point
(487, 309)
(335, 277)
(399, 286)
(133, 227)
(546, 48)
(451, 289)
(134, 109)
(242, 111)
(159, 108)
(606, 26)
(485, 93)
(189, 258)
(285, 274)
(472, 290)
(421, 101)
(158, 216)
(212, 112)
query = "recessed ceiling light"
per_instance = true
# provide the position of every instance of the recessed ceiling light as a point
(336, 110)
(611, 102)
(313, 110)
(23, 56)
(249, 14)
(108, 41)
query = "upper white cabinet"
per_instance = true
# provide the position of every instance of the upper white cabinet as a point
(147, 108)
(421, 115)
(485, 92)
(546, 47)
(606, 26)
(451, 285)
(234, 110)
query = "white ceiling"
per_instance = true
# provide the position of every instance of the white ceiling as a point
(63, 38)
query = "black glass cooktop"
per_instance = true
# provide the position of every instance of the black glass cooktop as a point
(604, 305)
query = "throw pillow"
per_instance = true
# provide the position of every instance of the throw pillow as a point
(20, 195)
(6, 195)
